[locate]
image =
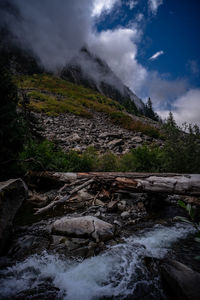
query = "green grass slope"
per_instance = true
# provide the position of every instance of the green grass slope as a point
(52, 95)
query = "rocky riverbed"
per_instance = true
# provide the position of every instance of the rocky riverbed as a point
(95, 245)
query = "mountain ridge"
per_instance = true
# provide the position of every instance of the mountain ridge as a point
(91, 71)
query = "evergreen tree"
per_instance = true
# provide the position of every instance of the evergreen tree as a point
(170, 120)
(11, 129)
(149, 112)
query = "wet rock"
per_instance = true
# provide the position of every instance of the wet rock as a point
(180, 281)
(84, 226)
(28, 245)
(12, 194)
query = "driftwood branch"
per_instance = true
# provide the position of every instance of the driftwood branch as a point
(64, 199)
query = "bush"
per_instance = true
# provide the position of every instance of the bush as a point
(46, 156)
(142, 159)
(125, 121)
(107, 163)
(181, 151)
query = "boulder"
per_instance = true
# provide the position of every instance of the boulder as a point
(12, 193)
(180, 281)
(87, 226)
(137, 139)
(27, 245)
(115, 143)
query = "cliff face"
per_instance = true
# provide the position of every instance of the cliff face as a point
(91, 71)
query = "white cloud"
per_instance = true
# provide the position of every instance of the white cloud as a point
(154, 5)
(185, 108)
(132, 3)
(102, 6)
(139, 17)
(193, 67)
(156, 55)
(119, 49)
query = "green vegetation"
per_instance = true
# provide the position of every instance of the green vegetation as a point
(149, 112)
(125, 121)
(192, 219)
(180, 153)
(53, 96)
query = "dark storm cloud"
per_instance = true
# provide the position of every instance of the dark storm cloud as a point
(54, 30)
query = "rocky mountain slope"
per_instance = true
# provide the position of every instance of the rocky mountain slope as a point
(76, 117)
(78, 133)
(93, 72)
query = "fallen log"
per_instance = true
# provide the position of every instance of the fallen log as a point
(180, 184)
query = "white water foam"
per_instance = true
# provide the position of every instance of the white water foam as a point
(113, 273)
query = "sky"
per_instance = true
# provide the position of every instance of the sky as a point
(165, 62)
(151, 45)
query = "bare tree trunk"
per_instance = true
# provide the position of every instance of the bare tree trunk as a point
(110, 183)
(181, 184)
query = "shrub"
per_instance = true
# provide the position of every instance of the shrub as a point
(46, 156)
(181, 151)
(107, 163)
(125, 121)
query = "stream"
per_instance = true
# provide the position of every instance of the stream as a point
(121, 272)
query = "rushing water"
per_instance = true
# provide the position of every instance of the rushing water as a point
(117, 273)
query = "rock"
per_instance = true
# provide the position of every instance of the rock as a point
(125, 215)
(84, 195)
(122, 205)
(75, 132)
(12, 194)
(115, 143)
(112, 205)
(84, 226)
(140, 205)
(75, 137)
(137, 140)
(180, 281)
(117, 223)
(98, 214)
(57, 239)
(99, 202)
(28, 245)
(38, 200)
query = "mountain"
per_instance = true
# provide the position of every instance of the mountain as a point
(85, 68)
(91, 71)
